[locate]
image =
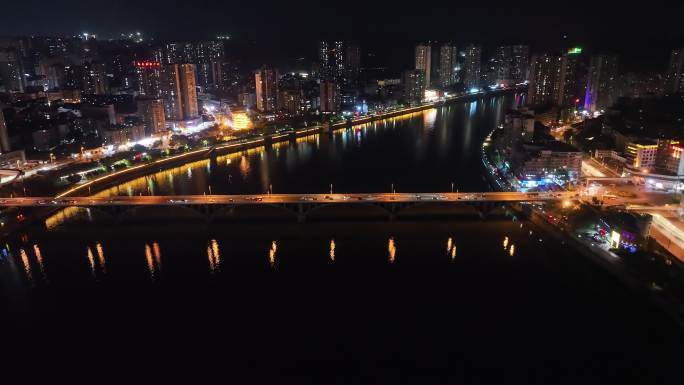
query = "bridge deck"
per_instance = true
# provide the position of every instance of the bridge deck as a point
(285, 199)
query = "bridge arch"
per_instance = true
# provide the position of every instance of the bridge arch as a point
(348, 210)
(167, 212)
(438, 209)
(257, 211)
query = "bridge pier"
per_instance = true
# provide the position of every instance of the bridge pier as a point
(292, 136)
(485, 208)
(326, 127)
(392, 209)
(301, 214)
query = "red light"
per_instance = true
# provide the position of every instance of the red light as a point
(147, 64)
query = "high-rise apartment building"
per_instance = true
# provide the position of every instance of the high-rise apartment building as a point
(12, 71)
(170, 91)
(502, 65)
(602, 82)
(94, 78)
(266, 80)
(325, 60)
(5, 145)
(352, 62)
(545, 72)
(173, 53)
(675, 72)
(339, 61)
(424, 62)
(572, 83)
(291, 100)
(330, 96)
(179, 92)
(209, 51)
(448, 62)
(188, 90)
(151, 112)
(558, 80)
(472, 67)
(209, 56)
(414, 86)
(148, 74)
(520, 60)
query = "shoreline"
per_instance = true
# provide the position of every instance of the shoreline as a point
(670, 306)
(117, 177)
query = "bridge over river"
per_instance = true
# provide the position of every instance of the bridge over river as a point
(298, 204)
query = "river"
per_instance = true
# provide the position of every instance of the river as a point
(461, 300)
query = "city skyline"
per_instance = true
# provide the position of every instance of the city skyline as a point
(320, 192)
(301, 27)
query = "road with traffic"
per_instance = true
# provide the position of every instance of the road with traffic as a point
(144, 200)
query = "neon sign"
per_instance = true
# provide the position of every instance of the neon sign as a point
(147, 64)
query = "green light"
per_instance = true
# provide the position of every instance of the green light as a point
(575, 51)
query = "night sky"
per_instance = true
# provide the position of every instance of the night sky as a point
(285, 30)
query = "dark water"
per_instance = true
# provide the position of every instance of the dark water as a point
(422, 152)
(374, 302)
(394, 304)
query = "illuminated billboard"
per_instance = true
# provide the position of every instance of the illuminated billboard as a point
(614, 239)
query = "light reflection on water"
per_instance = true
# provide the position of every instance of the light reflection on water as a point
(31, 261)
(101, 257)
(39, 258)
(91, 262)
(214, 256)
(157, 255)
(96, 260)
(332, 250)
(272, 254)
(26, 263)
(392, 250)
(429, 118)
(244, 167)
(153, 259)
(451, 249)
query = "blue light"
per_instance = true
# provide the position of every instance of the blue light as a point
(530, 183)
